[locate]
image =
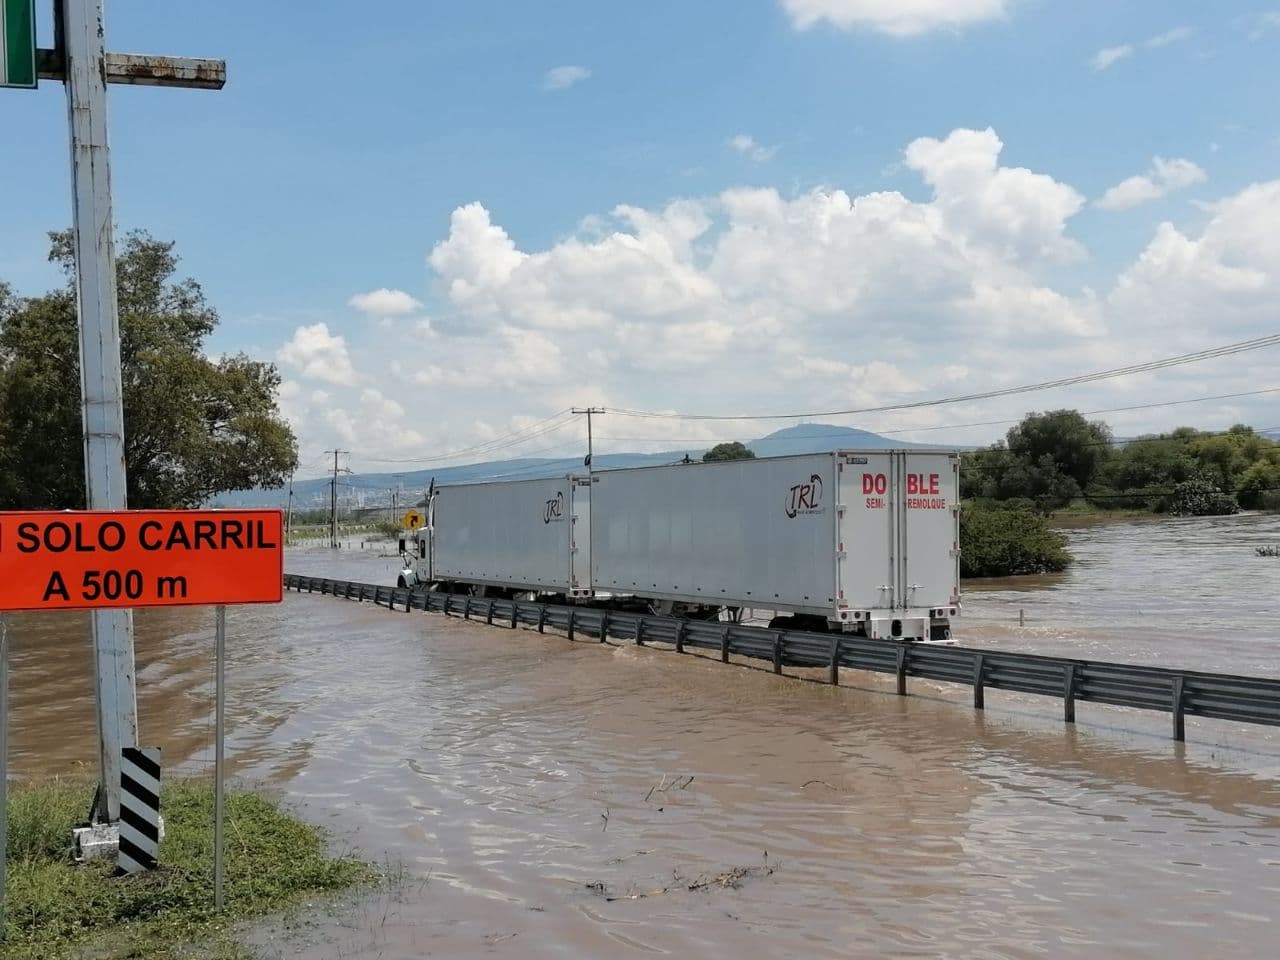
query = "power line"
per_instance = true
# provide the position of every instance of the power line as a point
(1226, 350)
(514, 438)
(954, 426)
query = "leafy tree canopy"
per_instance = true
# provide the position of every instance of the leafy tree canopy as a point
(728, 451)
(194, 426)
(1053, 458)
(1075, 447)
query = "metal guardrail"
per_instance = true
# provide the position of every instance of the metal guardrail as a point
(1181, 693)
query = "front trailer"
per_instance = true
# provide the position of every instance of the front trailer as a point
(523, 536)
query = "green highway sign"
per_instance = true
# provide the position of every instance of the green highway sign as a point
(18, 43)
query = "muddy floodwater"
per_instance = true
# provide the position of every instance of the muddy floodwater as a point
(578, 800)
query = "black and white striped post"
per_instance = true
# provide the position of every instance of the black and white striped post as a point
(139, 809)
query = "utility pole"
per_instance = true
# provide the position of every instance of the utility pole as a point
(288, 517)
(588, 411)
(79, 59)
(333, 500)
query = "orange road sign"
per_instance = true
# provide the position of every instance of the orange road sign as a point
(86, 559)
(412, 520)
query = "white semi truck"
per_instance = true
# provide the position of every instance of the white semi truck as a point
(863, 541)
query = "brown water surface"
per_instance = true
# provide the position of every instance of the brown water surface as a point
(556, 799)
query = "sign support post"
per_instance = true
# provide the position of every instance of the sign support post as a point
(99, 371)
(220, 697)
(4, 762)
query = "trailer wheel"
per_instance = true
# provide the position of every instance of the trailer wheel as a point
(401, 582)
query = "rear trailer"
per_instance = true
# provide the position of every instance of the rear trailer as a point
(856, 540)
(519, 535)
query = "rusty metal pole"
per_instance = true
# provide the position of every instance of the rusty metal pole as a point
(102, 395)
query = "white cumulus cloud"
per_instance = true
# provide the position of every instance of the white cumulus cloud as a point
(318, 354)
(1264, 22)
(1164, 177)
(746, 145)
(758, 300)
(900, 18)
(561, 78)
(1109, 56)
(1169, 36)
(385, 303)
(1021, 214)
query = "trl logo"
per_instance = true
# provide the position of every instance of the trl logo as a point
(804, 498)
(554, 510)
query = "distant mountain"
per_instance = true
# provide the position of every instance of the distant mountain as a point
(377, 487)
(1272, 434)
(819, 437)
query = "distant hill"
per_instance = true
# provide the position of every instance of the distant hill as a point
(314, 493)
(819, 437)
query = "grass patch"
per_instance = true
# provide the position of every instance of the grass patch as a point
(56, 909)
(1082, 513)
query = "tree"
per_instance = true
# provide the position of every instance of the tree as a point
(1074, 446)
(728, 451)
(194, 427)
(1260, 486)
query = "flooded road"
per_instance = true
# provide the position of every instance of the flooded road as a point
(578, 800)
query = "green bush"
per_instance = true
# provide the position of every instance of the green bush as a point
(1000, 540)
(1201, 498)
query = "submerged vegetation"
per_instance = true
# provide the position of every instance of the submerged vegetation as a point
(1058, 458)
(56, 909)
(1059, 465)
(1008, 539)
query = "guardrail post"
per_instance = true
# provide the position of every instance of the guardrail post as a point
(542, 618)
(902, 670)
(515, 613)
(640, 632)
(979, 692)
(777, 651)
(604, 625)
(572, 614)
(724, 646)
(1069, 695)
(835, 660)
(488, 618)
(1179, 724)
(466, 609)
(680, 636)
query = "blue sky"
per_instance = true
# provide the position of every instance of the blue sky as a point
(333, 161)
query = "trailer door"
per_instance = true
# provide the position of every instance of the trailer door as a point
(865, 550)
(579, 534)
(927, 486)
